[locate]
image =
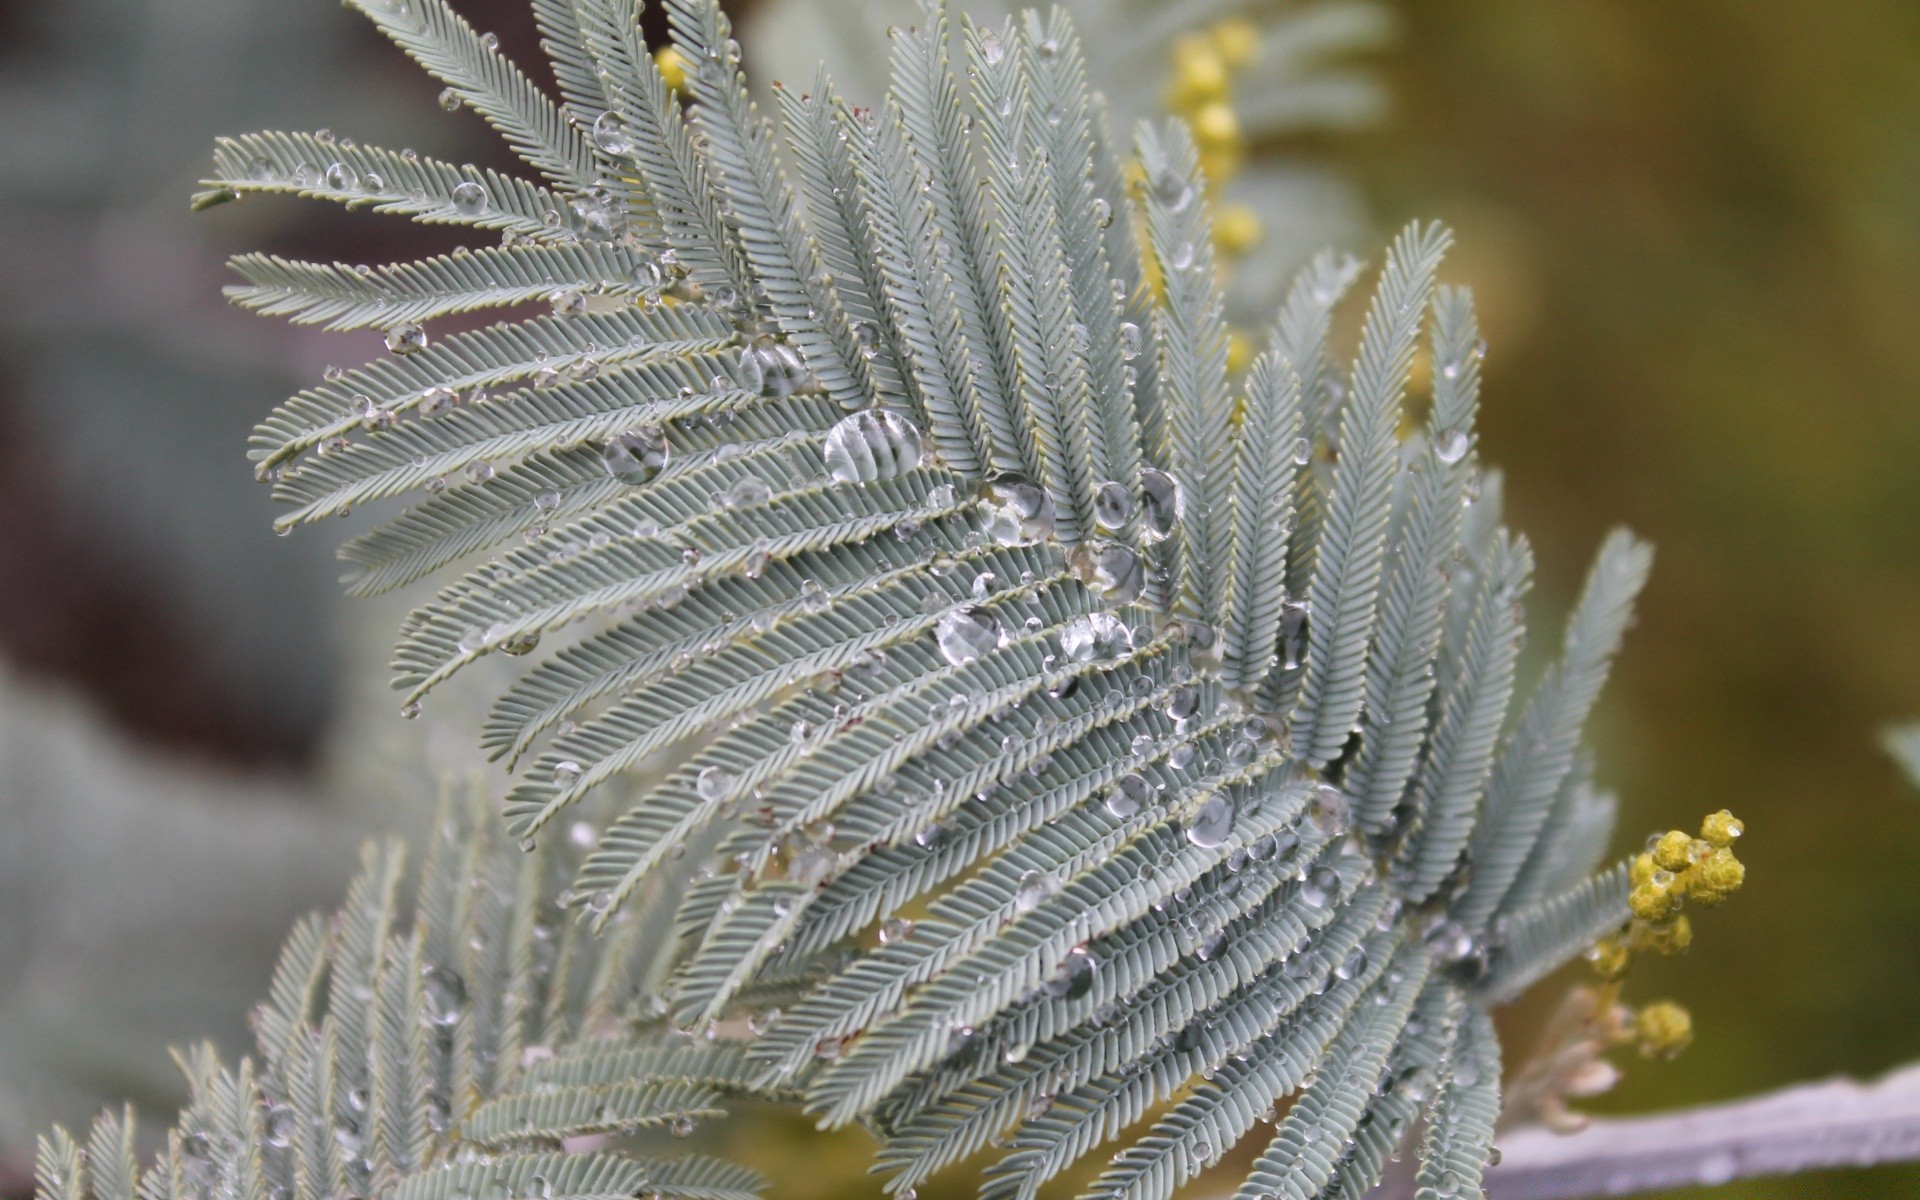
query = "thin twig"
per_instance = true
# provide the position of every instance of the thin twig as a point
(1808, 1127)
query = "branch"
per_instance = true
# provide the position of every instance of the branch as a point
(1808, 1127)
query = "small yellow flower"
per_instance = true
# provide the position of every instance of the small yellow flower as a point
(1236, 229)
(673, 67)
(1664, 1029)
(1237, 42)
(1655, 899)
(1239, 351)
(1215, 127)
(1199, 76)
(1670, 852)
(1668, 937)
(1610, 956)
(1715, 878)
(1722, 828)
(1641, 872)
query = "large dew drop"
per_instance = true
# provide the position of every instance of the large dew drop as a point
(1035, 887)
(406, 339)
(870, 446)
(1129, 795)
(469, 198)
(1321, 886)
(1450, 446)
(1015, 511)
(965, 634)
(1110, 569)
(1075, 977)
(610, 134)
(1095, 636)
(1212, 824)
(1112, 506)
(1162, 503)
(714, 783)
(637, 455)
(443, 996)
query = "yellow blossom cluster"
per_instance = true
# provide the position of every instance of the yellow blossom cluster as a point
(1675, 869)
(1201, 91)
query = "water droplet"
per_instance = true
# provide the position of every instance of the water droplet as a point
(437, 400)
(714, 783)
(409, 338)
(1033, 890)
(610, 134)
(682, 1126)
(566, 773)
(1327, 810)
(965, 634)
(1212, 824)
(1102, 212)
(1015, 511)
(895, 929)
(1093, 636)
(1130, 341)
(443, 994)
(1110, 569)
(521, 643)
(1293, 633)
(871, 445)
(478, 471)
(1353, 965)
(469, 198)
(1112, 506)
(636, 456)
(340, 177)
(1181, 256)
(450, 99)
(774, 368)
(1302, 452)
(1130, 794)
(991, 48)
(1163, 502)
(1450, 446)
(810, 865)
(1173, 190)
(1321, 885)
(280, 1125)
(1075, 977)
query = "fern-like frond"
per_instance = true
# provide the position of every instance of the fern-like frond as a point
(445, 1056)
(1024, 711)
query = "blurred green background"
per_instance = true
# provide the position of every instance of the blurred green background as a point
(1694, 229)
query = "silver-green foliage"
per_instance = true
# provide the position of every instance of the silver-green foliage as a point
(441, 1055)
(1154, 721)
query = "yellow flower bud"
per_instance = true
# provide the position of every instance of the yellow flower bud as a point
(1198, 74)
(1215, 127)
(1237, 41)
(1722, 828)
(1664, 1029)
(1641, 871)
(1716, 877)
(1668, 937)
(1610, 957)
(1670, 852)
(1654, 900)
(1239, 351)
(673, 67)
(1236, 229)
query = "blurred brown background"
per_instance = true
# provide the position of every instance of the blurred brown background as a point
(1695, 232)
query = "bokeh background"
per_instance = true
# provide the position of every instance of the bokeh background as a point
(1694, 229)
